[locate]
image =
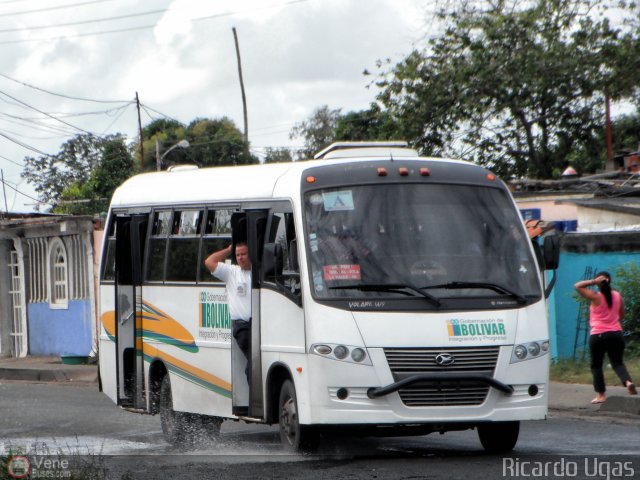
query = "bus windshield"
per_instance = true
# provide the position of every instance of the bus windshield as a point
(414, 240)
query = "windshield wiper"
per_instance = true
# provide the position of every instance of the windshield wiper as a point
(491, 286)
(388, 287)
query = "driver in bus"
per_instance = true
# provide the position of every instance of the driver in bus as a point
(237, 279)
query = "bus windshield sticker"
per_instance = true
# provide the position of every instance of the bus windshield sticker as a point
(318, 284)
(316, 199)
(341, 272)
(313, 242)
(337, 201)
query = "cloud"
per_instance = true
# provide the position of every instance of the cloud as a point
(296, 56)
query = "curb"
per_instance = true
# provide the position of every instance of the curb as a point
(56, 376)
(621, 404)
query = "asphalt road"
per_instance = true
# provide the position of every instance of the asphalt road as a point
(78, 420)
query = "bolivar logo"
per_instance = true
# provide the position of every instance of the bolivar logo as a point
(478, 329)
(214, 312)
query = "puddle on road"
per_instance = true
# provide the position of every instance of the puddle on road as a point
(231, 449)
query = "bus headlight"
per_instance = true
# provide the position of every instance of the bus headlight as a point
(520, 352)
(357, 355)
(529, 350)
(344, 353)
(341, 352)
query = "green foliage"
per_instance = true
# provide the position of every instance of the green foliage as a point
(326, 126)
(78, 157)
(317, 132)
(516, 86)
(93, 196)
(371, 124)
(578, 371)
(278, 155)
(214, 142)
(626, 279)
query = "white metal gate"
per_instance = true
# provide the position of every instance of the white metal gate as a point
(19, 330)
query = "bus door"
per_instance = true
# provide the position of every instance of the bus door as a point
(131, 234)
(249, 227)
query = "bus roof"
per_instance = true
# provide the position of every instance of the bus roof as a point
(221, 184)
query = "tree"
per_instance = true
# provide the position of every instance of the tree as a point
(326, 126)
(372, 124)
(217, 142)
(115, 166)
(516, 86)
(317, 132)
(278, 155)
(51, 174)
(211, 143)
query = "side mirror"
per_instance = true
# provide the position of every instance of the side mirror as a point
(551, 250)
(272, 261)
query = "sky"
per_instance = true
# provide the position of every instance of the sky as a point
(74, 66)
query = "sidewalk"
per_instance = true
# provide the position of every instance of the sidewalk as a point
(562, 396)
(46, 369)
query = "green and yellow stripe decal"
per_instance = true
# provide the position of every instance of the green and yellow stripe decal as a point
(152, 324)
(188, 372)
(158, 326)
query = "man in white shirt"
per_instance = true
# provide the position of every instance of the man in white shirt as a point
(237, 278)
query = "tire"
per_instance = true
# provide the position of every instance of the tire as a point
(293, 436)
(499, 437)
(210, 427)
(185, 430)
(172, 422)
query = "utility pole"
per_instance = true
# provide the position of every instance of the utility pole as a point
(157, 154)
(609, 133)
(244, 98)
(4, 191)
(140, 132)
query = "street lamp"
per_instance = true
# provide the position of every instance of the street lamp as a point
(159, 158)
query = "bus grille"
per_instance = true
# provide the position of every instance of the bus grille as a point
(405, 362)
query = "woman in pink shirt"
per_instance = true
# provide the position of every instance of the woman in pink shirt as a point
(605, 313)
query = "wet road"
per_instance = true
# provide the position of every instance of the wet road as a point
(78, 420)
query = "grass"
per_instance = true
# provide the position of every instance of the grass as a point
(578, 371)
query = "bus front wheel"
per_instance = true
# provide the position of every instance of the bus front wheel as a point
(294, 437)
(499, 437)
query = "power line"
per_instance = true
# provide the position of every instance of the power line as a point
(58, 7)
(24, 145)
(141, 27)
(60, 94)
(21, 193)
(44, 113)
(84, 22)
(11, 161)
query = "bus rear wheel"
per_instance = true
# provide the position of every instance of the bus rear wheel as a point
(293, 436)
(499, 437)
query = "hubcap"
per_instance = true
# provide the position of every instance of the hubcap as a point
(288, 420)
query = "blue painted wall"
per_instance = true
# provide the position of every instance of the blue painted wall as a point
(60, 332)
(563, 307)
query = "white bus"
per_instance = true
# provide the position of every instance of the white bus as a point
(391, 294)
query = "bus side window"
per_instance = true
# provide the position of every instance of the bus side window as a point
(282, 232)
(182, 253)
(158, 245)
(216, 236)
(109, 265)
